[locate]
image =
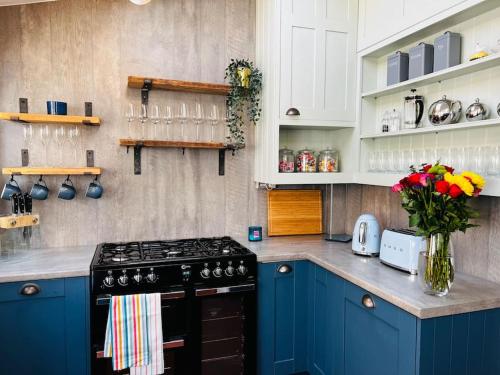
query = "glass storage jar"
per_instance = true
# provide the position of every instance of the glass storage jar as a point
(328, 160)
(287, 161)
(306, 160)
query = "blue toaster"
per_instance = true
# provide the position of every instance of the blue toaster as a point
(399, 248)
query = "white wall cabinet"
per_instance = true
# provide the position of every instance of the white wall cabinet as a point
(307, 52)
(318, 59)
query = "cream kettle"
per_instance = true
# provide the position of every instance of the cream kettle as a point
(366, 236)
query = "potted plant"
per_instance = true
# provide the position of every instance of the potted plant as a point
(438, 203)
(244, 97)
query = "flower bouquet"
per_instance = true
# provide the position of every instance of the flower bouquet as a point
(437, 201)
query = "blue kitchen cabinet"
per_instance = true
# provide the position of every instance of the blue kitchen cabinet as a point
(282, 317)
(45, 332)
(379, 338)
(325, 323)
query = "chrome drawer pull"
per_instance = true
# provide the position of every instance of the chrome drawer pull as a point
(30, 289)
(368, 301)
(292, 112)
(284, 268)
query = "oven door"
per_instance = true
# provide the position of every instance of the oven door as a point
(174, 325)
(227, 330)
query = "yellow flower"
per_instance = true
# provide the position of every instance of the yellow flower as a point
(464, 184)
(475, 178)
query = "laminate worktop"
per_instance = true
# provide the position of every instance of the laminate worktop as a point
(468, 293)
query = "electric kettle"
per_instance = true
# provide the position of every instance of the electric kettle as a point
(366, 236)
(414, 110)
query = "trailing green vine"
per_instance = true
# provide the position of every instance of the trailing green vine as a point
(243, 98)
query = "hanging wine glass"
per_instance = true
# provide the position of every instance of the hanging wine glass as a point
(130, 115)
(28, 135)
(143, 119)
(198, 118)
(182, 116)
(214, 118)
(60, 134)
(155, 119)
(167, 117)
(44, 133)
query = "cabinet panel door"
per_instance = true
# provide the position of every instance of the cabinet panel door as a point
(282, 301)
(385, 336)
(418, 11)
(318, 59)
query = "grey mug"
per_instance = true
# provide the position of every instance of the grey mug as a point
(40, 191)
(94, 190)
(67, 191)
(10, 188)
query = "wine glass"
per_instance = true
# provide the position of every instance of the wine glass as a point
(73, 135)
(44, 133)
(28, 135)
(182, 116)
(60, 134)
(143, 119)
(155, 119)
(198, 118)
(214, 118)
(130, 115)
(167, 117)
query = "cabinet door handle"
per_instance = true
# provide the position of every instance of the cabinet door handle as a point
(292, 112)
(30, 289)
(368, 301)
(284, 268)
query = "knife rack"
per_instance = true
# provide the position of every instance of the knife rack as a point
(19, 221)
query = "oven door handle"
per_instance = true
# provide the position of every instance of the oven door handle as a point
(106, 299)
(224, 290)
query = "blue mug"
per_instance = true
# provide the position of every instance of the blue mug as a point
(10, 188)
(67, 191)
(57, 108)
(40, 191)
(94, 190)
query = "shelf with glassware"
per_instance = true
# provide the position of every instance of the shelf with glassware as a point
(399, 129)
(52, 171)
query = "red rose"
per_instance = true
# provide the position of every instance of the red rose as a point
(404, 182)
(449, 169)
(414, 179)
(455, 191)
(427, 167)
(442, 186)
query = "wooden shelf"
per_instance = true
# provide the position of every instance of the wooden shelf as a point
(51, 171)
(49, 119)
(175, 85)
(453, 72)
(173, 144)
(436, 129)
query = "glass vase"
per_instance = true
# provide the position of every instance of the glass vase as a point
(436, 265)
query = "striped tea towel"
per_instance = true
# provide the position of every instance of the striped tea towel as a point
(127, 341)
(155, 334)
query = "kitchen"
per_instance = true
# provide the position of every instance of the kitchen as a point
(292, 303)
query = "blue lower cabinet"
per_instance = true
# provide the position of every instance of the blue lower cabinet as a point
(44, 327)
(282, 317)
(379, 338)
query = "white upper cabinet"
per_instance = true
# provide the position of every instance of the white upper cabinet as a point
(317, 54)
(381, 19)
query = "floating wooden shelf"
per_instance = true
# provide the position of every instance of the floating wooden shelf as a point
(49, 119)
(19, 221)
(453, 72)
(51, 171)
(436, 129)
(138, 144)
(175, 85)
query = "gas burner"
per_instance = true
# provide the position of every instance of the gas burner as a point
(120, 258)
(171, 253)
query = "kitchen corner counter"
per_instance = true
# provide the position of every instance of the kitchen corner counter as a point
(468, 293)
(50, 263)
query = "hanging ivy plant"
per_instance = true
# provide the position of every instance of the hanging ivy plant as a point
(243, 98)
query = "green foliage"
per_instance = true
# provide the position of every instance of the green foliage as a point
(242, 100)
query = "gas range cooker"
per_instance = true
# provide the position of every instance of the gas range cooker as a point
(126, 267)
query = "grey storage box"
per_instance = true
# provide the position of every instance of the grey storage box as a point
(447, 50)
(421, 60)
(397, 68)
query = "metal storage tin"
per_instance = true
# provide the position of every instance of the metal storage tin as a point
(421, 60)
(397, 68)
(447, 50)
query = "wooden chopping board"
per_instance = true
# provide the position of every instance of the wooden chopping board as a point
(293, 212)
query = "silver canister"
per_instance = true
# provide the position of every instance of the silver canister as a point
(477, 111)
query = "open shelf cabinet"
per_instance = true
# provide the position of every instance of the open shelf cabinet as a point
(49, 119)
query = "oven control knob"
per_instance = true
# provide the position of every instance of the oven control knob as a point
(205, 272)
(152, 277)
(138, 277)
(123, 279)
(186, 273)
(109, 280)
(217, 271)
(229, 270)
(242, 270)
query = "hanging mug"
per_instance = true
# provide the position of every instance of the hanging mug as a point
(40, 191)
(67, 191)
(94, 190)
(10, 188)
